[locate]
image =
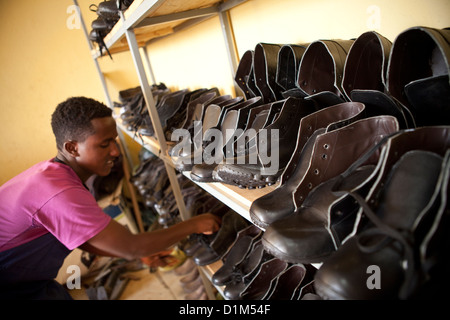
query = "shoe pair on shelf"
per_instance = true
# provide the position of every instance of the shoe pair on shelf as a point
(250, 273)
(107, 17)
(207, 249)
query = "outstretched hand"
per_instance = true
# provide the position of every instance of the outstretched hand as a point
(206, 223)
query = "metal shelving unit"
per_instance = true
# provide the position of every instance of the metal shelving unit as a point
(146, 21)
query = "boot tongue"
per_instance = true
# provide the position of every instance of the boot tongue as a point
(410, 187)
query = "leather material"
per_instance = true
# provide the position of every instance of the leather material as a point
(378, 103)
(235, 117)
(260, 284)
(265, 210)
(236, 254)
(244, 172)
(243, 72)
(366, 64)
(429, 100)
(412, 184)
(418, 53)
(188, 122)
(328, 160)
(232, 223)
(286, 283)
(170, 104)
(265, 63)
(322, 67)
(245, 271)
(326, 219)
(289, 58)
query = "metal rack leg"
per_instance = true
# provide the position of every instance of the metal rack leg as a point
(230, 43)
(146, 89)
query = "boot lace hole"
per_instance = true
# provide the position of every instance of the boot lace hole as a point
(326, 146)
(324, 156)
(316, 171)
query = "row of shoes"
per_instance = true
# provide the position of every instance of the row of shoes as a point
(207, 249)
(368, 69)
(249, 272)
(371, 79)
(153, 185)
(191, 281)
(107, 16)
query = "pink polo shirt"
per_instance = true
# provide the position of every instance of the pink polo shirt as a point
(48, 197)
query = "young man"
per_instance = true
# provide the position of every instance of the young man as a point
(47, 211)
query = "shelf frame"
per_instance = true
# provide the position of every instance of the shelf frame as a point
(140, 16)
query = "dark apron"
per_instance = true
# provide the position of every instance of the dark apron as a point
(28, 271)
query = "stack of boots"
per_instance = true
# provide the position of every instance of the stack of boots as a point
(333, 153)
(257, 168)
(171, 104)
(234, 119)
(221, 115)
(107, 17)
(235, 255)
(260, 285)
(179, 117)
(321, 71)
(418, 74)
(245, 271)
(327, 218)
(292, 283)
(166, 107)
(194, 109)
(265, 210)
(388, 247)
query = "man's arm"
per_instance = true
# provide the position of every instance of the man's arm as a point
(117, 241)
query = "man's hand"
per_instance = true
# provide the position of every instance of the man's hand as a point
(206, 223)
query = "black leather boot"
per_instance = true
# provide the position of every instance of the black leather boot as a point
(420, 53)
(334, 152)
(327, 217)
(244, 69)
(265, 62)
(245, 271)
(236, 254)
(381, 262)
(260, 285)
(366, 64)
(289, 58)
(256, 169)
(321, 70)
(232, 223)
(266, 210)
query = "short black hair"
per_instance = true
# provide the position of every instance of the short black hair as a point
(71, 119)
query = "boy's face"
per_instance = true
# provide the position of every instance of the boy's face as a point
(99, 150)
